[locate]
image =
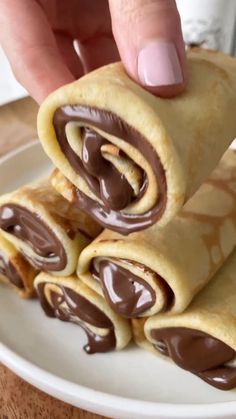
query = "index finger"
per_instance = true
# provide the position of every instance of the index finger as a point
(31, 48)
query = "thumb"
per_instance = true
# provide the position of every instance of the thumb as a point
(149, 38)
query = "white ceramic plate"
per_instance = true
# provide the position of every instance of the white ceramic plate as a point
(48, 353)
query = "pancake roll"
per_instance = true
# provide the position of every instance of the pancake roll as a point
(201, 340)
(132, 159)
(69, 300)
(162, 269)
(45, 228)
(15, 270)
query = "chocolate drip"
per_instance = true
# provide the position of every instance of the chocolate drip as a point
(98, 343)
(223, 378)
(28, 227)
(77, 309)
(8, 269)
(128, 294)
(114, 188)
(198, 353)
(107, 175)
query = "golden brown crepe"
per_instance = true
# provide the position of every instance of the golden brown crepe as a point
(202, 339)
(162, 269)
(132, 159)
(15, 270)
(45, 227)
(68, 299)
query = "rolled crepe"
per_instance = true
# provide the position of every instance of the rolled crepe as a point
(201, 340)
(45, 227)
(133, 159)
(15, 270)
(68, 299)
(162, 269)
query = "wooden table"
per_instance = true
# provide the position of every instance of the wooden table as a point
(18, 399)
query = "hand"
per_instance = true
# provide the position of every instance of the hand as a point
(37, 37)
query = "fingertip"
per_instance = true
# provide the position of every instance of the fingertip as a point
(151, 46)
(166, 91)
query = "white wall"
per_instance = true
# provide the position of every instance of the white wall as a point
(9, 88)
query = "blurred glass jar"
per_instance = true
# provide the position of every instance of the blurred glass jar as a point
(209, 23)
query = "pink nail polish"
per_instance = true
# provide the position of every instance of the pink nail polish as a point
(158, 64)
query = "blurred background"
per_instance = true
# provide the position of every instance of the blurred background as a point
(209, 23)
(206, 23)
(9, 88)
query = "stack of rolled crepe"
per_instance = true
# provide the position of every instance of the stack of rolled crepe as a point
(162, 269)
(68, 299)
(201, 340)
(41, 231)
(45, 227)
(131, 159)
(133, 162)
(15, 270)
(136, 164)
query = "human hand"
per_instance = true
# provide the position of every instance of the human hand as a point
(37, 37)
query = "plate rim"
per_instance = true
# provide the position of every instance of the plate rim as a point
(89, 398)
(29, 371)
(20, 149)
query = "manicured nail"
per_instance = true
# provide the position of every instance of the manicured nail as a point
(158, 64)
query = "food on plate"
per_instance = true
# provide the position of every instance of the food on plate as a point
(133, 159)
(162, 269)
(15, 270)
(201, 340)
(69, 300)
(45, 227)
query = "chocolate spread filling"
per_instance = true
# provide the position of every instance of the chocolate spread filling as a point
(128, 294)
(79, 310)
(8, 269)
(101, 176)
(198, 353)
(28, 227)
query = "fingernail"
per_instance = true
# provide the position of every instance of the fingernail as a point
(158, 64)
